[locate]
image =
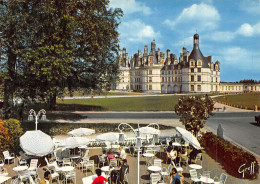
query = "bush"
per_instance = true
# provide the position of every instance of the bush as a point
(4, 139)
(229, 155)
(15, 131)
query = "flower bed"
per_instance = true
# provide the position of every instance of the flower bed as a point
(235, 160)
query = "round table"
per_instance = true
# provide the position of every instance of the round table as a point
(206, 179)
(195, 166)
(66, 168)
(107, 169)
(176, 144)
(149, 157)
(20, 168)
(154, 168)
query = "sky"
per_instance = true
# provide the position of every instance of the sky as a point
(229, 31)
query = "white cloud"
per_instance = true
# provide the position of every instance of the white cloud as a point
(240, 58)
(249, 30)
(137, 31)
(250, 6)
(130, 6)
(201, 17)
(221, 36)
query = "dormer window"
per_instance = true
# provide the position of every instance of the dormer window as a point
(199, 63)
(192, 63)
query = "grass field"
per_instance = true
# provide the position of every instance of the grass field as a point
(150, 103)
(245, 101)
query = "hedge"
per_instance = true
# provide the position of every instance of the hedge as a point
(230, 156)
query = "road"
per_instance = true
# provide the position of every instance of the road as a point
(239, 127)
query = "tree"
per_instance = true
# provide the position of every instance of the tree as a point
(15, 132)
(47, 46)
(193, 111)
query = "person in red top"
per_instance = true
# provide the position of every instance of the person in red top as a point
(100, 179)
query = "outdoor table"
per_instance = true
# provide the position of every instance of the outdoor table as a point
(66, 168)
(148, 157)
(89, 179)
(107, 170)
(20, 168)
(195, 166)
(4, 179)
(206, 179)
(154, 168)
(176, 144)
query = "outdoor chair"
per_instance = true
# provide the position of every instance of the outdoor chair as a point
(184, 159)
(21, 161)
(49, 165)
(157, 162)
(221, 180)
(84, 160)
(57, 155)
(178, 167)
(34, 173)
(3, 172)
(166, 171)
(33, 165)
(89, 164)
(54, 175)
(198, 158)
(24, 157)
(66, 162)
(70, 176)
(206, 174)
(8, 156)
(113, 162)
(155, 178)
(2, 163)
(102, 159)
(24, 175)
(194, 176)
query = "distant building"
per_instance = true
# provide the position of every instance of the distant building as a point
(159, 73)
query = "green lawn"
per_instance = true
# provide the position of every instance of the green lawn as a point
(246, 100)
(154, 103)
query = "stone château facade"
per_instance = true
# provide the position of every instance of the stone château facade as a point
(159, 73)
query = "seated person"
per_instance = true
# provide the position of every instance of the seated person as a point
(122, 171)
(122, 153)
(193, 154)
(103, 158)
(100, 179)
(110, 155)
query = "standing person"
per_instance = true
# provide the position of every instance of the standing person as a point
(122, 171)
(47, 176)
(100, 179)
(122, 153)
(175, 175)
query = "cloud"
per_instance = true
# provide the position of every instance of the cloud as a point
(201, 17)
(240, 58)
(130, 6)
(137, 31)
(248, 30)
(221, 36)
(250, 6)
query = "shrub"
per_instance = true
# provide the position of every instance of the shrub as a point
(15, 131)
(229, 155)
(4, 138)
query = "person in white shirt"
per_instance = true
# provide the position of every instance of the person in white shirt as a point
(122, 153)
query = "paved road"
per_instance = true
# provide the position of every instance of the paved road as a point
(239, 127)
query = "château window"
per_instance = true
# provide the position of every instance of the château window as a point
(192, 78)
(192, 87)
(199, 88)
(150, 87)
(199, 70)
(150, 72)
(199, 63)
(151, 59)
(191, 63)
(150, 79)
(192, 70)
(199, 78)
(151, 64)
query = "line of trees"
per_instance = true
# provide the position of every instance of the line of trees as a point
(48, 46)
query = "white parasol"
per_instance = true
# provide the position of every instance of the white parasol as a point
(189, 137)
(81, 131)
(73, 142)
(36, 143)
(110, 137)
(148, 130)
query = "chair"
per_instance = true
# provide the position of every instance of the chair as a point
(198, 158)
(178, 168)
(70, 176)
(21, 161)
(89, 164)
(34, 173)
(57, 156)
(24, 175)
(194, 176)
(33, 165)
(54, 175)
(102, 159)
(206, 174)
(3, 172)
(50, 165)
(8, 156)
(166, 171)
(184, 159)
(155, 178)
(157, 162)
(222, 179)
(66, 162)
(24, 157)
(84, 160)
(113, 162)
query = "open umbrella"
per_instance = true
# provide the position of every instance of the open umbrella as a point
(110, 137)
(73, 142)
(148, 130)
(189, 137)
(81, 131)
(36, 143)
